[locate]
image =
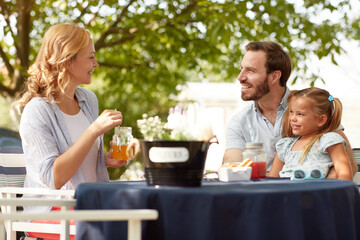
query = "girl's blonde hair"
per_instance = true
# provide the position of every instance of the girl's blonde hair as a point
(322, 103)
(48, 76)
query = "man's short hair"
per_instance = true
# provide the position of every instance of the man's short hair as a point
(276, 58)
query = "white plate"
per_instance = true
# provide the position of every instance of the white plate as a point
(229, 174)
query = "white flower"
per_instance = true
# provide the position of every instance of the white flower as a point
(178, 126)
(204, 132)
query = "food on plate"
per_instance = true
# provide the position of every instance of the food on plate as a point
(229, 165)
(235, 171)
(246, 163)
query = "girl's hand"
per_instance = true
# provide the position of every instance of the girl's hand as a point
(107, 120)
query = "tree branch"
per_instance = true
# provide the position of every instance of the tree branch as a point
(94, 15)
(189, 8)
(6, 15)
(5, 91)
(23, 28)
(119, 41)
(3, 9)
(101, 41)
(7, 62)
(83, 11)
(118, 66)
(128, 31)
(113, 29)
(91, 20)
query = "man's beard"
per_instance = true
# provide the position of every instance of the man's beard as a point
(260, 91)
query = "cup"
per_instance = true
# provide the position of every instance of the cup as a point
(121, 149)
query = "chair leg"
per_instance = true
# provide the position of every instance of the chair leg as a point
(65, 230)
(134, 229)
(2, 230)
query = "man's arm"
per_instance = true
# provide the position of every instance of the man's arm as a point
(232, 155)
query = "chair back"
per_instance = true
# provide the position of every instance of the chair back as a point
(356, 152)
(12, 167)
(356, 178)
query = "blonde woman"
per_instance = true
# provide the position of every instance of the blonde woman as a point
(310, 141)
(60, 127)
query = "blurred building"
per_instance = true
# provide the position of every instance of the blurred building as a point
(213, 103)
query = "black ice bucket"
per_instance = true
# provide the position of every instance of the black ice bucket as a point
(174, 163)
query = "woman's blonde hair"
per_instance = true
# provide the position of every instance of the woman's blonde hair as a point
(48, 76)
(322, 103)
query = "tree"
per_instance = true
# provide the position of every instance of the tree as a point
(147, 48)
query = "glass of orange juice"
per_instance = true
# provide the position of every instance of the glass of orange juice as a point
(120, 141)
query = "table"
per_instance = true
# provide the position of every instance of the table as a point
(252, 210)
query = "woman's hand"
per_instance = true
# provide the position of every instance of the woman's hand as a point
(107, 120)
(111, 162)
(133, 149)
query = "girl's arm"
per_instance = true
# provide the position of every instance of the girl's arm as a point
(349, 152)
(276, 167)
(341, 161)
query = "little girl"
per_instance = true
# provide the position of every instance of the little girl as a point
(309, 139)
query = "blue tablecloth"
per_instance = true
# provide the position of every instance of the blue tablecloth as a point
(253, 210)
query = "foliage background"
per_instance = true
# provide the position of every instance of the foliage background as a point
(146, 49)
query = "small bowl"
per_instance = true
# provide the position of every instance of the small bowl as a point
(230, 174)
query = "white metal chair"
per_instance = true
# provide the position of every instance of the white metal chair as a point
(12, 176)
(133, 216)
(9, 194)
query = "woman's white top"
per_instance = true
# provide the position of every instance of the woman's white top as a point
(76, 125)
